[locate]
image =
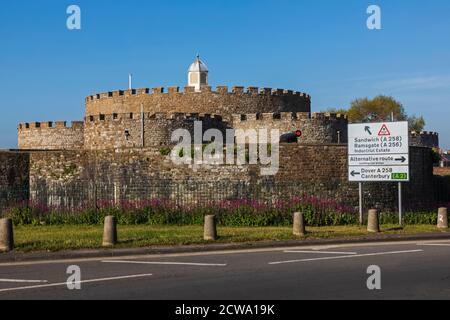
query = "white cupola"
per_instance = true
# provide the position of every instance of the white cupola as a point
(198, 74)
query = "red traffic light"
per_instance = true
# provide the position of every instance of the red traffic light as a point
(298, 133)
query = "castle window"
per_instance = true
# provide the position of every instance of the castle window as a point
(27, 125)
(115, 116)
(133, 91)
(91, 118)
(203, 78)
(102, 117)
(131, 115)
(38, 125)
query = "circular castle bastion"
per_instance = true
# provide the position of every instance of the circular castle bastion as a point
(207, 101)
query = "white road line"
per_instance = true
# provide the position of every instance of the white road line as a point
(168, 263)
(320, 252)
(435, 244)
(346, 257)
(23, 281)
(81, 282)
(213, 253)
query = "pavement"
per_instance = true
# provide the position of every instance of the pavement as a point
(18, 256)
(413, 269)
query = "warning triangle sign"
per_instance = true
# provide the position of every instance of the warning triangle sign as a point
(384, 131)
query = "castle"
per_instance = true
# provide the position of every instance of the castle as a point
(117, 149)
(139, 118)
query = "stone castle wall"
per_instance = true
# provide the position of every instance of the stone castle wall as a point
(130, 174)
(135, 130)
(316, 128)
(424, 139)
(51, 136)
(14, 170)
(221, 101)
(14, 178)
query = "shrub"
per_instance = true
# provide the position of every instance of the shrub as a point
(23, 216)
(165, 151)
(233, 213)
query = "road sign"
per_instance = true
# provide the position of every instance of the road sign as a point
(379, 152)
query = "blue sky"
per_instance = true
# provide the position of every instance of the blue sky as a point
(321, 47)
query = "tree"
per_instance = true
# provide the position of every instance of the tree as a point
(337, 110)
(378, 109)
(416, 124)
(381, 108)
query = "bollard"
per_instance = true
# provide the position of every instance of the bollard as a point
(210, 231)
(299, 224)
(110, 232)
(443, 218)
(373, 224)
(6, 235)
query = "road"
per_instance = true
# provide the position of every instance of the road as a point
(409, 270)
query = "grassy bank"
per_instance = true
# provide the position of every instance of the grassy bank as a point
(56, 238)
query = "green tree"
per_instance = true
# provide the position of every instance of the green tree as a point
(378, 109)
(337, 110)
(381, 108)
(416, 123)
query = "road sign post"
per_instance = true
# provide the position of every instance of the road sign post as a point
(361, 206)
(400, 204)
(379, 152)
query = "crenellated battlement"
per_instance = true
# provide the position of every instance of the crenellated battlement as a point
(185, 116)
(288, 116)
(75, 125)
(160, 116)
(424, 139)
(221, 100)
(221, 90)
(133, 130)
(425, 133)
(329, 116)
(51, 135)
(315, 127)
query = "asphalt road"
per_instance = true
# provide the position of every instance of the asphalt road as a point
(408, 271)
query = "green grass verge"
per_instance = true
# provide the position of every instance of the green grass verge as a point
(68, 237)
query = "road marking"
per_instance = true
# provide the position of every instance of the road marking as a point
(435, 244)
(78, 282)
(168, 263)
(216, 252)
(346, 257)
(320, 252)
(23, 281)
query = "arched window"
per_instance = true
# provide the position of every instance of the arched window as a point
(203, 78)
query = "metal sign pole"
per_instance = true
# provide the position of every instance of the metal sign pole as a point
(361, 215)
(400, 206)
